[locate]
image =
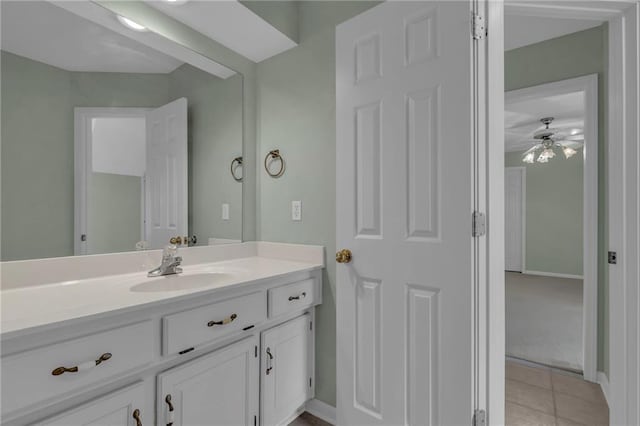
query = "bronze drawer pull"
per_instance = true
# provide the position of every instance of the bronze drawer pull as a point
(170, 413)
(136, 415)
(223, 322)
(84, 366)
(269, 361)
(301, 296)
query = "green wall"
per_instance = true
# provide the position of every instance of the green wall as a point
(575, 55)
(37, 159)
(553, 207)
(215, 138)
(114, 210)
(296, 114)
(38, 148)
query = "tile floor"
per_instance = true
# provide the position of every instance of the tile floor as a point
(538, 396)
(542, 396)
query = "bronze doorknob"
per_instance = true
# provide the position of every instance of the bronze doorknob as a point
(343, 256)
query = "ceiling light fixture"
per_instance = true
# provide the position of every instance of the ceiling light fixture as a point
(568, 151)
(547, 140)
(133, 25)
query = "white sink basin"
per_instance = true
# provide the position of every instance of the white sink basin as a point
(180, 282)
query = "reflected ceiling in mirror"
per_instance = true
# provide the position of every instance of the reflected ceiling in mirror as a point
(112, 144)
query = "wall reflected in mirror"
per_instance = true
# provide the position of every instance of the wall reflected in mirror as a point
(109, 145)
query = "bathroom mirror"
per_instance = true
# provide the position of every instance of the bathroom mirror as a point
(108, 144)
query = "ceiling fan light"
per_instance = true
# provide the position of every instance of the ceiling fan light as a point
(529, 158)
(568, 151)
(545, 155)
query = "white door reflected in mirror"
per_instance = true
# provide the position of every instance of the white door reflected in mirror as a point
(131, 189)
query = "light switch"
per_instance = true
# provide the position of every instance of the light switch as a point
(296, 210)
(225, 211)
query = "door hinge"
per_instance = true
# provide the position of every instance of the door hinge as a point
(612, 257)
(255, 351)
(310, 381)
(479, 418)
(478, 224)
(479, 30)
(255, 420)
(310, 325)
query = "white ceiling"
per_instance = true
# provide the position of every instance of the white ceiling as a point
(522, 119)
(231, 24)
(522, 30)
(46, 33)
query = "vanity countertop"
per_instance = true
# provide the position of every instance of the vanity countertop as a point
(35, 307)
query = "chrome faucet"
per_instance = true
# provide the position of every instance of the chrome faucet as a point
(170, 263)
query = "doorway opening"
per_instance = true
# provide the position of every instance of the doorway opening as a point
(552, 141)
(551, 148)
(130, 177)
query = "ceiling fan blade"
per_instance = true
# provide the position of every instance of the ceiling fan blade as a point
(576, 137)
(533, 148)
(571, 144)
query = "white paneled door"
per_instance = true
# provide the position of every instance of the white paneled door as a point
(514, 218)
(166, 173)
(404, 73)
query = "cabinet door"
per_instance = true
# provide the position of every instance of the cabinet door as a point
(286, 370)
(220, 388)
(120, 408)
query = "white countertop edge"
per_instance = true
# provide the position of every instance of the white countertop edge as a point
(26, 273)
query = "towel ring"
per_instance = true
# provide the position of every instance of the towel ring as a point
(238, 163)
(274, 155)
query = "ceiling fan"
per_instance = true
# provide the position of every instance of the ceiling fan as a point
(548, 140)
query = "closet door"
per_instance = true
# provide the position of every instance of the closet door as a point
(220, 388)
(514, 218)
(286, 370)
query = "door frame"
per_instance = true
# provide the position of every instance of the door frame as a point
(523, 213)
(588, 85)
(622, 118)
(624, 217)
(82, 117)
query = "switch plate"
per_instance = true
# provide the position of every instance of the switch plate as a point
(225, 211)
(296, 210)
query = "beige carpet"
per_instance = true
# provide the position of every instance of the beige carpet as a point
(544, 320)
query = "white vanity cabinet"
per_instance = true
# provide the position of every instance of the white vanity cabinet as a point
(220, 388)
(124, 407)
(200, 360)
(287, 370)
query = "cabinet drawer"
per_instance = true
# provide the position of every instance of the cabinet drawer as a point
(115, 409)
(197, 326)
(292, 297)
(28, 379)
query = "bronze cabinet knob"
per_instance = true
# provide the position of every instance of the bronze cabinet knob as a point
(343, 256)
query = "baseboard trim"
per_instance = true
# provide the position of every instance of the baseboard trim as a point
(322, 410)
(553, 274)
(603, 381)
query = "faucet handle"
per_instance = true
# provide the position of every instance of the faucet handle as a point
(169, 250)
